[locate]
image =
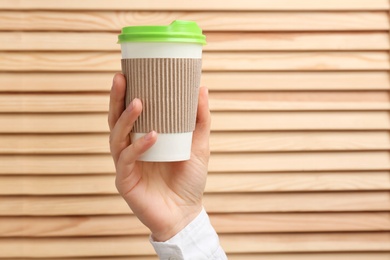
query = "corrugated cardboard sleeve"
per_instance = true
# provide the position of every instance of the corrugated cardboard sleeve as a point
(168, 89)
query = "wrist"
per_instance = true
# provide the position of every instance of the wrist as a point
(198, 240)
(183, 219)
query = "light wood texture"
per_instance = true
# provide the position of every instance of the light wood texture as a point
(55, 144)
(75, 247)
(138, 257)
(221, 121)
(299, 222)
(52, 103)
(223, 223)
(310, 256)
(310, 181)
(58, 82)
(220, 142)
(60, 185)
(216, 41)
(260, 81)
(306, 161)
(51, 164)
(217, 182)
(266, 256)
(212, 61)
(214, 203)
(53, 123)
(299, 94)
(219, 101)
(219, 162)
(215, 81)
(119, 246)
(293, 141)
(208, 21)
(252, 61)
(295, 101)
(246, 5)
(307, 242)
(298, 202)
(246, 41)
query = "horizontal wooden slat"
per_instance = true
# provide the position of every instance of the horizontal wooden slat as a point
(310, 181)
(54, 103)
(55, 144)
(214, 203)
(315, 202)
(299, 222)
(307, 242)
(217, 182)
(60, 62)
(294, 101)
(289, 141)
(119, 246)
(60, 185)
(232, 162)
(248, 5)
(221, 121)
(308, 256)
(252, 61)
(265, 256)
(303, 41)
(212, 61)
(137, 257)
(76, 226)
(53, 123)
(300, 161)
(208, 21)
(75, 247)
(47, 164)
(60, 82)
(297, 41)
(223, 223)
(219, 101)
(215, 81)
(220, 142)
(242, 81)
(216, 41)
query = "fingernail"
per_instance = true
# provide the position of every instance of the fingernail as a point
(205, 91)
(131, 105)
(149, 136)
(113, 80)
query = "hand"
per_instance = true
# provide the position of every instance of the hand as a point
(165, 196)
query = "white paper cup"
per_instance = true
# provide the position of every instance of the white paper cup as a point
(164, 73)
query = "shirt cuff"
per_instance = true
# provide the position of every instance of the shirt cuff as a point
(198, 240)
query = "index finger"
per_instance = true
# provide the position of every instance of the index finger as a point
(117, 99)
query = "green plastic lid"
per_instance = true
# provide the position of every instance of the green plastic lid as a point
(177, 31)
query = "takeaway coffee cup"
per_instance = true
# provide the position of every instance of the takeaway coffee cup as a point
(162, 65)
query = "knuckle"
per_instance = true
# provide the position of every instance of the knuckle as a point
(118, 185)
(137, 146)
(109, 120)
(110, 139)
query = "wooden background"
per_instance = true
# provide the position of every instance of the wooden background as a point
(300, 133)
